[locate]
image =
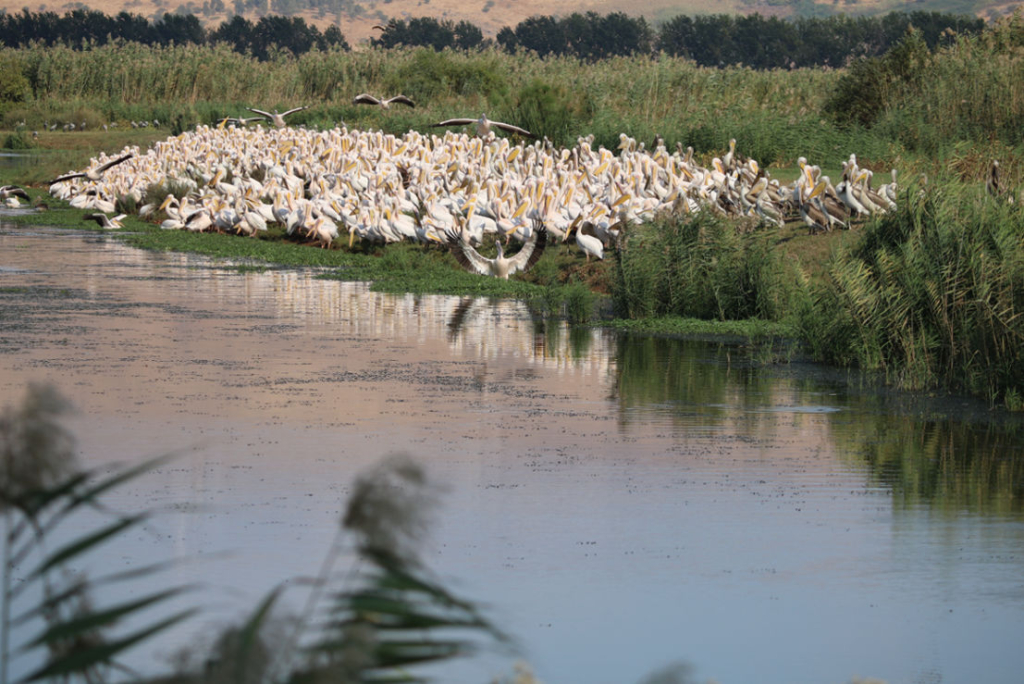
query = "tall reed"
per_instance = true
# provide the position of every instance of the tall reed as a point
(703, 267)
(932, 295)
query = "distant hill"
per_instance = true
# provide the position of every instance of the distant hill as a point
(356, 18)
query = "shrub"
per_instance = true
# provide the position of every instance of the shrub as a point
(932, 295)
(872, 85)
(701, 267)
(550, 110)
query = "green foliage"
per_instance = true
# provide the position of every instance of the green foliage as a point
(702, 266)
(579, 303)
(41, 489)
(19, 140)
(551, 110)
(429, 74)
(393, 618)
(872, 85)
(14, 86)
(932, 295)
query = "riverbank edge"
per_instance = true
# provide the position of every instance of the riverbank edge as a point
(391, 275)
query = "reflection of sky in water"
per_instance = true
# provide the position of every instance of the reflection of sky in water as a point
(616, 506)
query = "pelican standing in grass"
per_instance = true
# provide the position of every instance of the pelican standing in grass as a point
(484, 126)
(368, 99)
(500, 266)
(93, 174)
(275, 118)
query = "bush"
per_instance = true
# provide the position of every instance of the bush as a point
(552, 111)
(932, 295)
(14, 86)
(702, 267)
(19, 140)
(873, 85)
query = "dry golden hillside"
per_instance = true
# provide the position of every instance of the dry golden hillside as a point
(492, 15)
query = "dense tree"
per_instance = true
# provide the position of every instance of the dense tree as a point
(709, 40)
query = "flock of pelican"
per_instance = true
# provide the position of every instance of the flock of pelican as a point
(454, 190)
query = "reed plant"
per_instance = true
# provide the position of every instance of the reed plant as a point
(774, 115)
(932, 295)
(703, 266)
(375, 622)
(50, 624)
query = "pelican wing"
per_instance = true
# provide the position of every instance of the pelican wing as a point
(292, 111)
(513, 129)
(464, 253)
(454, 122)
(365, 98)
(100, 219)
(260, 111)
(13, 191)
(67, 176)
(532, 250)
(401, 99)
(115, 162)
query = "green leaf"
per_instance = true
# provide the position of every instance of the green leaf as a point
(114, 578)
(80, 546)
(69, 628)
(251, 629)
(82, 659)
(116, 479)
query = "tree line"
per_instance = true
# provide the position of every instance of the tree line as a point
(711, 40)
(80, 28)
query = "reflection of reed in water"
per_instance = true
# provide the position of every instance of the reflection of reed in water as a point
(949, 464)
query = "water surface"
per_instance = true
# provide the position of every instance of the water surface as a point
(618, 504)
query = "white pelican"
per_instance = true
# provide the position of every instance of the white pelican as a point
(93, 174)
(366, 98)
(275, 118)
(588, 241)
(8, 192)
(104, 221)
(500, 266)
(484, 126)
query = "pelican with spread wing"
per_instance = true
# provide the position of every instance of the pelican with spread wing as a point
(500, 266)
(484, 126)
(275, 118)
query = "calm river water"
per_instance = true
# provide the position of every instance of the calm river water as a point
(617, 504)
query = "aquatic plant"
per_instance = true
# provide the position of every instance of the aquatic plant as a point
(702, 266)
(373, 624)
(932, 295)
(43, 491)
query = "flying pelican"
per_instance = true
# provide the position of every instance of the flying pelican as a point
(11, 192)
(237, 121)
(94, 174)
(500, 266)
(275, 118)
(366, 98)
(104, 221)
(484, 126)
